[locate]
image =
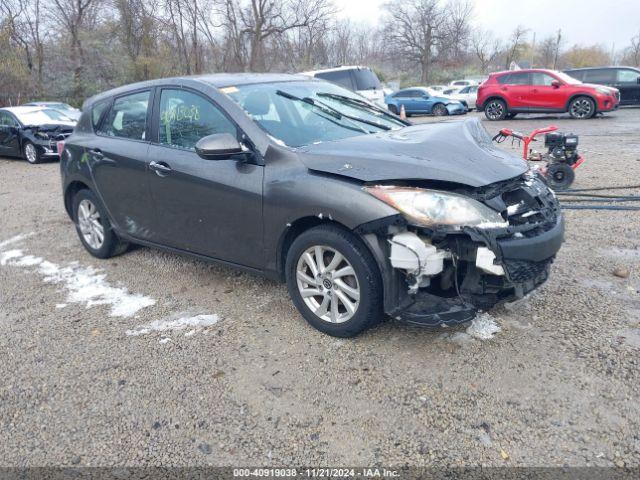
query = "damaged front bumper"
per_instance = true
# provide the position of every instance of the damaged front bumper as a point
(443, 275)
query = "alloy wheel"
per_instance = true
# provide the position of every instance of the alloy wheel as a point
(494, 110)
(328, 284)
(90, 224)
(31, 153)
(582, 108)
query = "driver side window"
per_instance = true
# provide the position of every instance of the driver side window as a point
(186, 117)
(6, 120)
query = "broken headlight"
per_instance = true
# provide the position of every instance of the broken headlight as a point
(433, 207)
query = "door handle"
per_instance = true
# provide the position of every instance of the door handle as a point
(161, 168)
(97, 153)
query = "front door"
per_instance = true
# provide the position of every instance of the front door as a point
(209, 207)
(118, 160)
(9, 143)
(628, 82)
(543, 95)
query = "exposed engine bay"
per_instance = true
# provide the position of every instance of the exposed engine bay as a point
(446, 274)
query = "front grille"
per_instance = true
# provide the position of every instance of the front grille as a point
(521, 271)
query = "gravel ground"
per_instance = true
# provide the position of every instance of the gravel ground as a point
(558, 385)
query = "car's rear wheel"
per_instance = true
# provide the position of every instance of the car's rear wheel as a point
(496, 109)
(439, 110)
(31, 153)
(94, 228)
(581, 108)
(393, 109)
(334, 281)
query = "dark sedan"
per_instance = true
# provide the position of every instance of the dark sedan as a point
(33, 133)
(361, 213)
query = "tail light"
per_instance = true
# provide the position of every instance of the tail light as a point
(60, 146)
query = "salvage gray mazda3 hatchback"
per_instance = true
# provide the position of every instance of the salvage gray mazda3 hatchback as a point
(359, 212)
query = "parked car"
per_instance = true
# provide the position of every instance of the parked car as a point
(65, 108)
(418, 100)
(360, 213)
(463, 83)
(361, 80)
(505, 94)
(466, 95)
(32, 132)
(433, 89)
(625, 79)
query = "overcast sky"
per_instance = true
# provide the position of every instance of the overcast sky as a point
(586, 22)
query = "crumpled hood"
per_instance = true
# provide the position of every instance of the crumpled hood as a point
(460, 152)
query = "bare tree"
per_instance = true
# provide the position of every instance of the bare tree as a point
(557, 49)
(74, 16)
(515, 46)
(485, 47)
(265, 19)
(415, 30)
(634, 50)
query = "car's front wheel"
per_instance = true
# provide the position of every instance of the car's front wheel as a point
(31, 153)
(334, 281)
(439, 110)
(581, 108)
(496, 109)
(94, 228)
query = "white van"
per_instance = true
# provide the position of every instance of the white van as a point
(361, 80)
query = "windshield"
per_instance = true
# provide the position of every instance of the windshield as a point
(366, 80)
(42, 117)
(305, 112)
(566, 78)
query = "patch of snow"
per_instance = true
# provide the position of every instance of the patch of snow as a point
(16, 239)
(10, 255)
(165, 340)
(84, 284)
(483, 327)
(61, 305)
(196, 323)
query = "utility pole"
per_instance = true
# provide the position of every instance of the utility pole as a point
(533, 49)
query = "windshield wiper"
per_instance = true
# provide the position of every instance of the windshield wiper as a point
(324, 108)
(360, 103)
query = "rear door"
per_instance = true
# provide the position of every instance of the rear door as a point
(600, 76)
(209, 207)
(515, 87)
(628, 82)
(544, 96)
(118, 159)
(9, 141)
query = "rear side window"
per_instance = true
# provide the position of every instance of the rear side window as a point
(186, 117)
(600, 75)
(96, 112)
(339, 77)
(366, 80)
(127, 117)
(517, 78)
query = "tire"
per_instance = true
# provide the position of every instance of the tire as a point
(30, 153)
(365, 281)
(393, 109)
(439, 110)
(87, 210)
(496, 109)
(582, 108)
(560, 176)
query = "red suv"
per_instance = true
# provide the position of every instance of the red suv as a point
(505, 94)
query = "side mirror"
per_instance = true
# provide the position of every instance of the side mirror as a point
(556, 84)
(219, 146)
